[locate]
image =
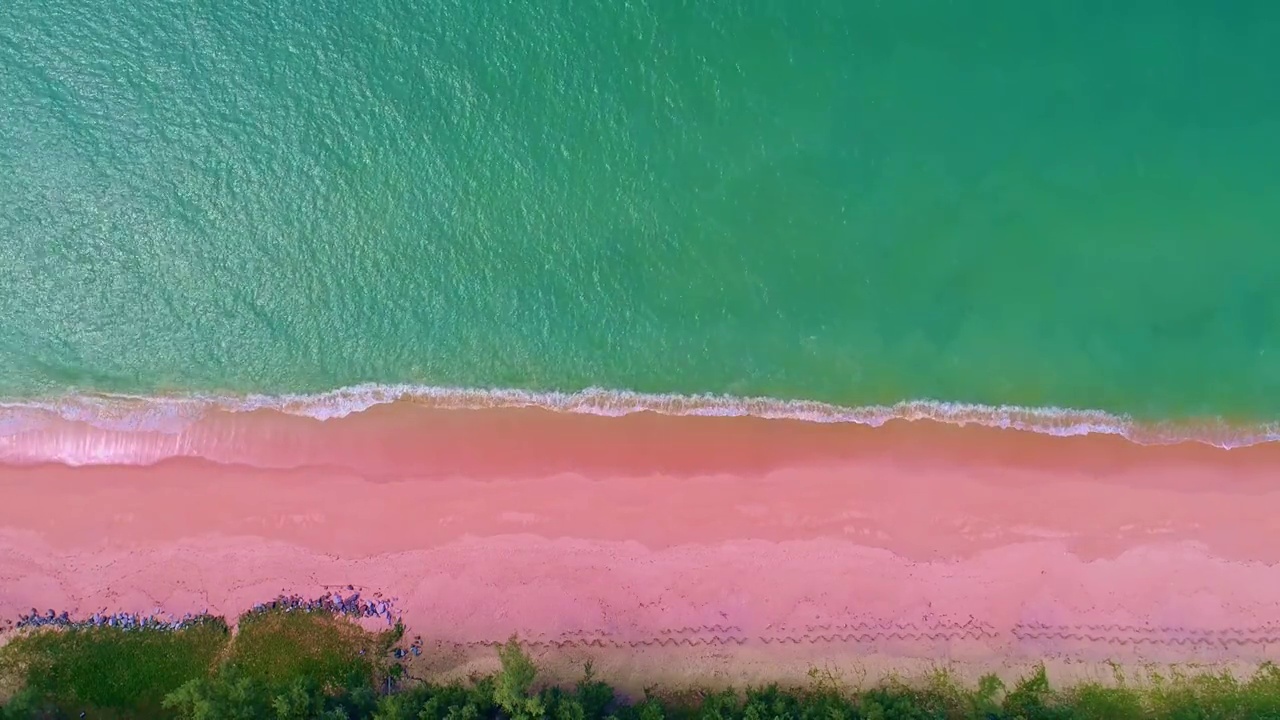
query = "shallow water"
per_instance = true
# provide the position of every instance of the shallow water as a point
(853, 203)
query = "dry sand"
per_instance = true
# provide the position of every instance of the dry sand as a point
(662, 547)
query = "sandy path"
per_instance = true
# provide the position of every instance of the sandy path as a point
(721, 537)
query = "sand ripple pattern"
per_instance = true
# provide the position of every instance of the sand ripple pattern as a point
(1149, 635)
(1031, 639)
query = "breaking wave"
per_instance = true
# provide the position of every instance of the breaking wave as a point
(173, 413)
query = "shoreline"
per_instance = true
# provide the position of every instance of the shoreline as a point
(406, 438)
(178, 417)
(905, 544)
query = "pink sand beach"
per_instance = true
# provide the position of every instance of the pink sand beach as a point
(731, 540)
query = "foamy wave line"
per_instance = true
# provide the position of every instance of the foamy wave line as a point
(172, 413)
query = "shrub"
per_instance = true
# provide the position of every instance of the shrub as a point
(454, 701)
(513, 684)
(106, 670)
(281, 648)
(1033, 699)
(232, 695)
(1104, 703)
(296, 665)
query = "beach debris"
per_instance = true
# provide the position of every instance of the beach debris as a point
(334, 603)
(101, 618)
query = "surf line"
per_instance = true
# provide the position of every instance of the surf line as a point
(173, 412)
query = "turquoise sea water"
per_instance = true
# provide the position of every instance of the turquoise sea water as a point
(1044, 204)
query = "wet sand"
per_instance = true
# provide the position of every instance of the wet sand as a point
(740, 545)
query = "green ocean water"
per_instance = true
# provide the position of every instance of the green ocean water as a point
(998, 202)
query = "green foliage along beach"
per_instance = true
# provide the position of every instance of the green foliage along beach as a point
(312, 666)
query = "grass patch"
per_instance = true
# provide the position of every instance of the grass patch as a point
(1217, 695)
(308, 666)
(278, 648)
(108, 671)
(278, 664)
(292, 665)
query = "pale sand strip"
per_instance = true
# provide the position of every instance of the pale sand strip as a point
(895, 547)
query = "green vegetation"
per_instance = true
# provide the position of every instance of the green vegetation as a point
(277, 648)
(278, 665)
(118, 673)
(303, 666)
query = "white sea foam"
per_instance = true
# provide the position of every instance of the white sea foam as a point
(173, 413)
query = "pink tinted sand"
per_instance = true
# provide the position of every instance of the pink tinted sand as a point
(737, 537)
